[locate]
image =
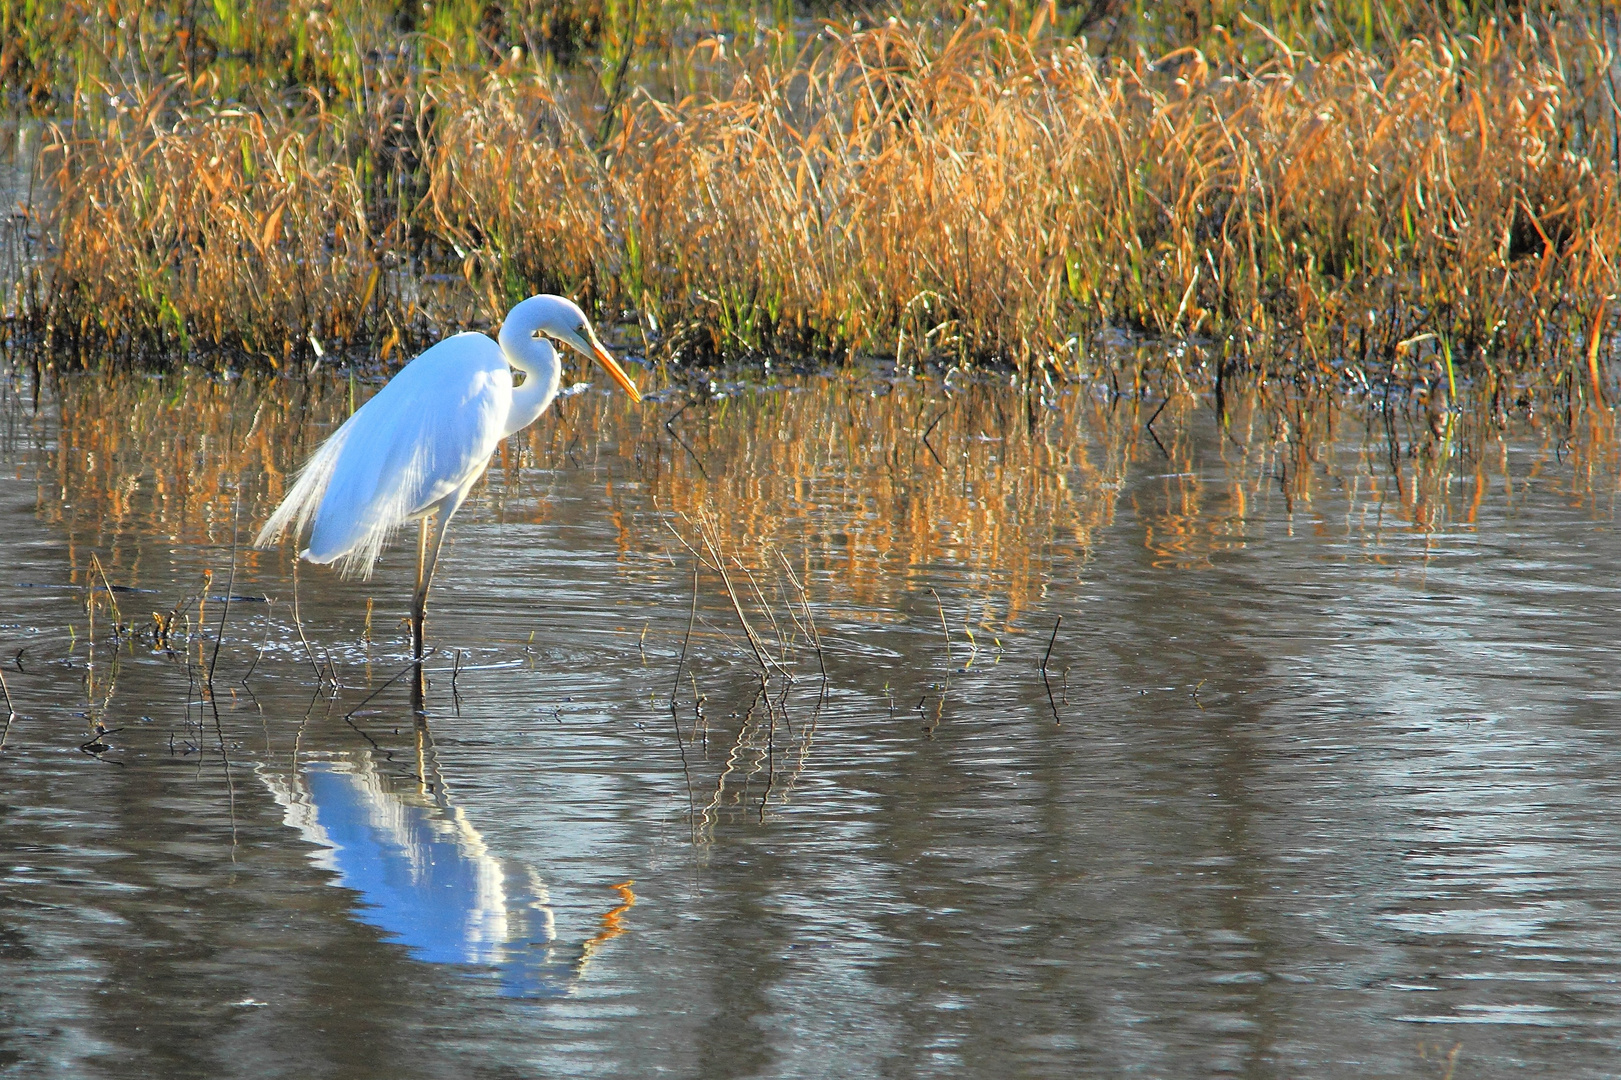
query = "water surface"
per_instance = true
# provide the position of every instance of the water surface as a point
(1322, 779)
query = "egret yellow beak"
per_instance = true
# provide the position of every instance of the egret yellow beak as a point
(611, 366)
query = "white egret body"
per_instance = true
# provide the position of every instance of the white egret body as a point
(414, 451)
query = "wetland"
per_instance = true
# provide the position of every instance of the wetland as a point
(1046, 744)
(1114, 576)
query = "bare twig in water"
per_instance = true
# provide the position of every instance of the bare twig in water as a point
(1049, 655)
(755, 644)
(269, 607)
(202, 613)
(810, 618)
(95, 748)
(1149, 427)
(191, 687)
(225, 610)
(765, 606)
(299, 623)
(770, 747)
(700, 721)
(718, 564)
(11, 709)
(331, 666)
(930, 430)
(118, 616)
(931, 722)
(1045, 681)
(208, 677)
(782, 706)
(455, 694)
(946, 630)
(392, 679)
(675, 719)
(945, 687)
(696, 460)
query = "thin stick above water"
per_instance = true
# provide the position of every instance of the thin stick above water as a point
(208, 677)
(299, 623)
(225, 609)
(1045, 681)
(675, 719)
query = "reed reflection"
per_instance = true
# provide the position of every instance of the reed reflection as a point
(865, 483)
(425, 876)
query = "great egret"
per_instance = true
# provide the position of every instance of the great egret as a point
(417, 447)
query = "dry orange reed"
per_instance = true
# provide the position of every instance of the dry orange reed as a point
(984, 197)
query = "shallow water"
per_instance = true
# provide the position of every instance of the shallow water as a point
(1325, 783)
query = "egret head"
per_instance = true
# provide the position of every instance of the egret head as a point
(561, 318)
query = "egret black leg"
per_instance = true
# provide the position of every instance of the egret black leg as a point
(419, 599)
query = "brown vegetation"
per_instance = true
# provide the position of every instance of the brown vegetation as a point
(982, 195)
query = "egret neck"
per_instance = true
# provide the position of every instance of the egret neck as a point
(535, 357)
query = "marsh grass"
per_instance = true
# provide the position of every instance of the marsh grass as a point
(937, 196)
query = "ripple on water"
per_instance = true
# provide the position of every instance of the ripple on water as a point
(1320, 777)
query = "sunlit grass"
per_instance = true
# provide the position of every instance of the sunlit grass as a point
(983, 193)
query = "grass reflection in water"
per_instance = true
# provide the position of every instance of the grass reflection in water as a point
(782, 513)
(1230, 798)
(862, 484)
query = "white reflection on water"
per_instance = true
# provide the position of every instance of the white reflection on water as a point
(427, 879)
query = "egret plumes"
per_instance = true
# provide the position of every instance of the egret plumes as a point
(414, 451)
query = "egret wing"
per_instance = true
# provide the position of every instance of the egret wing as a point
(420, 442)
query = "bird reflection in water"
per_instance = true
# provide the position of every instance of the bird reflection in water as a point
(426, 878)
